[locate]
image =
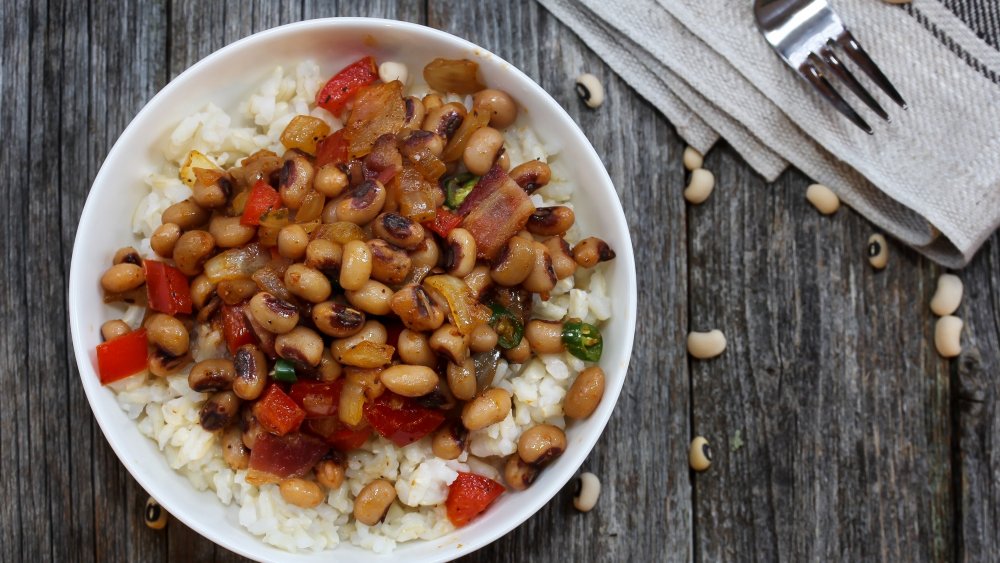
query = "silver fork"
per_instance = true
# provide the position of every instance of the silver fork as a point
(804, 33)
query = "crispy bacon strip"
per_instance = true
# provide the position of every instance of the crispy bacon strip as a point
(495, 210)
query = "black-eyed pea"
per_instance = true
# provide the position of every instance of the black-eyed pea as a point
(371, 331)
(213, 195)
(541, 443)
(431, 101)
(700, 186)
(590, 90)
(588, 490)
(127, 255)
(308, 283)
(123, 277)
(329, 473)
(219, 411)
(216, 374)
(483, 338)
(542, 277)
(409, 380)
(514, 263)
(449, 342)
(585, 394)
(301, 345)
(114, 328)
(193, 248)
(234, 451)
(460, 253)
(563, 263)
(544, 337)
(398, 230)
(168, 334)
(823, 199)
(373, 501)
(301, 492)
(878, 251)
(414, 348)
(692, 159)
(700, 454)
(705, 345)
(356, 268)
(235, 291)
(518, 354)
(185, 214)
(373, 297)
(444, 120)
(154, 516)
(390, 265)
(363, 203)
(324, 255)
(591, 251)
(202, 290)
(531, 175)
(482, 150)
(449, 441)
(492, 406)
(948, 295)
(462, 379)
(948, 336)
(164, 238)
(250, 366)
(330, 180)
(519, 475)
(499, 104)
(229, 232)
(551, 221)
(337, 320)
(292, 241)
(415, 113)
(295, 181)
(274, 314)
(478, 280)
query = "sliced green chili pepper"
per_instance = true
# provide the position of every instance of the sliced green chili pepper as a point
(583, 340)
(458, 188)
(509, 328)
(284, 371)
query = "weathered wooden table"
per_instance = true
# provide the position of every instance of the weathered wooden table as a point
(839, 433)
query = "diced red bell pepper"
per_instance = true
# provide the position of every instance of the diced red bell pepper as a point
(262, 199)
(274, 458)
(444, 221)
(337, 434)
(123, 356)
(235, 328)
(167, 288)
(317, 399)
(469, 495)
(400, 419)
(277, 412)
(332, 149)
(339, 89)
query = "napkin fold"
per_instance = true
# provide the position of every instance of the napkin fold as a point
(931, 177)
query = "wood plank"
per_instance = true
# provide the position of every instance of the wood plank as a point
(15, 90)
(829, 410)
(645, 507)
(977, 414)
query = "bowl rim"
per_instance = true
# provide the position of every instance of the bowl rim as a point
(619, 223)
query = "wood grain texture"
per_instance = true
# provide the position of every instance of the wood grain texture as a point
(838, 432)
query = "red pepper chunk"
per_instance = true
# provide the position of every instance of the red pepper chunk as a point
(167, 288)
(444, 221)
(469, 495)
(332, 149)
(318, 400)
(123, 356)
(346, 439)
(342, 87)
(262, 199)
(401, 420)
(277, 412)
(235, 328)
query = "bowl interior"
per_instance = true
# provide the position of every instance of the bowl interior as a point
(229, 76)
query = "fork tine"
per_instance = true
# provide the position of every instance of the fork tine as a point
(860, 57)
(812, 74)
(840, 71)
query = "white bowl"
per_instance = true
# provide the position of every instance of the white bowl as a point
(227, 76)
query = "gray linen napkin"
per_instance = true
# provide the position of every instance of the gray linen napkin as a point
(931, 177)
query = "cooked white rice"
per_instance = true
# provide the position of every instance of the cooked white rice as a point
(166, 409)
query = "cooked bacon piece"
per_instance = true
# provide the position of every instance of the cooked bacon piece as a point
(495, 210)
(274, 458)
